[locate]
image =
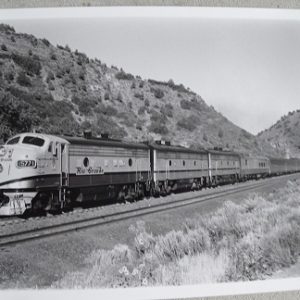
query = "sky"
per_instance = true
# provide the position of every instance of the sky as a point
(245, 63)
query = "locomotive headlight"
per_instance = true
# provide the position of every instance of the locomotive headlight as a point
(1, 168)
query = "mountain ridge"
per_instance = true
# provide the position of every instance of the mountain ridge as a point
(284, 135)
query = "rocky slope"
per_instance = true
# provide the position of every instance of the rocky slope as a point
(56, 90)
(284, 135)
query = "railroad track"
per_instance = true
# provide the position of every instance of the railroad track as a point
(146, 208)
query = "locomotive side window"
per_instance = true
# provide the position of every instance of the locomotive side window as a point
(54, 149)
(86, 162)
(32, 140)
(130, 162)
(50, 147)
(13, 141)
(170, 163)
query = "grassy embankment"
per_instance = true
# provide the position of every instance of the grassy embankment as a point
(238, 242)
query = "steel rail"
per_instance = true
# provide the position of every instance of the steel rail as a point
(75, 225)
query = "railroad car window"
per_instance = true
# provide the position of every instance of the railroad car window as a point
(170, 163)
(246, 162)
(13, 141)
(86, 162)
(183, 162)
(32, 140)
(130, 162)
(195, 163)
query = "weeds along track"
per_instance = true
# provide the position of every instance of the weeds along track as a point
(20, 230)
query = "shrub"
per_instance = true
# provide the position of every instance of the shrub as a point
(67, 48)
(31, 65)
(106, 124)
(46, 42)
(82, 58)
(185, 104)
(167, 110)
(106, 96)
(82, 75)
(147, 103)
(72, 78)
(141, 110)
(120, 97)
(53, 56)
(158, 93)
(67, 70)
(50, 76)
(139, 96)
(51, 86)
(7, 28)
(9, 76)
(23, 80)
(133, 86)
(109, 110)
(12, 38)
(246, 134)
(141, 84)
(3, 47)
(124, 76)
(33, 40)
(190, 123)
(244, 241)
(60, 73)
(158, 127)
(220, 133)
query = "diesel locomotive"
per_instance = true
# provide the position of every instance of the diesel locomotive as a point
(40, 172)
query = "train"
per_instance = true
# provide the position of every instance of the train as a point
(49, 173)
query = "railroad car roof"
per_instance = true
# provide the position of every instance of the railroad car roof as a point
(219, 152)
(167, 148)
(249, 156)
(284, 159)
(103, 142)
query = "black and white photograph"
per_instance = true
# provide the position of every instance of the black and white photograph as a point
(148, 147)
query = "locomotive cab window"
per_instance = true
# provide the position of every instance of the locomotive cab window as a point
(13, 141)
(32, 140)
